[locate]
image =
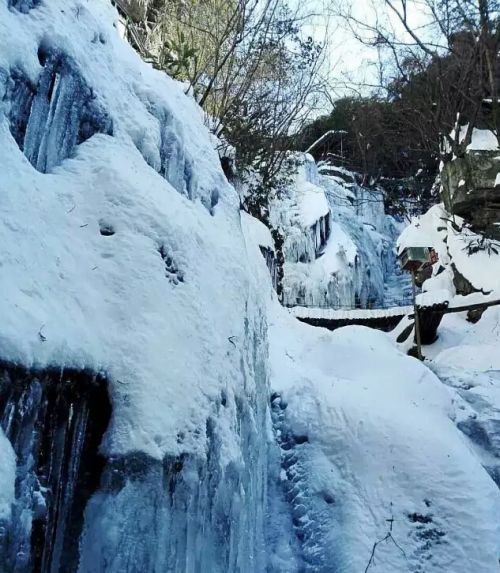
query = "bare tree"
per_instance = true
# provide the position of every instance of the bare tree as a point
(256, 73)
(453, 44)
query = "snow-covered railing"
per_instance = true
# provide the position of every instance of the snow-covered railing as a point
(395, 303)
(349, 314)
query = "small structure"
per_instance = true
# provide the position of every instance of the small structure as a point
(412, 260)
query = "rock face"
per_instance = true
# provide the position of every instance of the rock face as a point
(470, 189)
(133, 342)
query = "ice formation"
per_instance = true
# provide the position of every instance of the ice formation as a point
(339, 243)
(121, 252)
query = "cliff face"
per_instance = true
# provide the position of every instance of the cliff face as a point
(470, 184)
(133, 343)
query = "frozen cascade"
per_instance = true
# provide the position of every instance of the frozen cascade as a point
(54, 420)
(140, 345)
(188, 514)
(49, 120)
(184, 513)
(339, 244)
(397, 283)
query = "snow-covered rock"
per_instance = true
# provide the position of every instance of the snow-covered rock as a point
(122, 264)
(459, 260)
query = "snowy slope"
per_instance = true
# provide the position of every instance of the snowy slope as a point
(370, 439)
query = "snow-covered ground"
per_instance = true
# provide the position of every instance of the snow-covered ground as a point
(389, 464)
(377, 444)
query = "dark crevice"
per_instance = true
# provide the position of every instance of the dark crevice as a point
(23, 6)
(172, 272)
(106, 229)
(55, 419)
(50, 119)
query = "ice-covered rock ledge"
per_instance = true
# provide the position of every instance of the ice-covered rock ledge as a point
(122, 258)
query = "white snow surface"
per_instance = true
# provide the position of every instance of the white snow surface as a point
(72, 297)
(311, 197)
(349, 314)
(482, 269)
(483, 140)
(438, 296)
(382, 443)
(259, 233)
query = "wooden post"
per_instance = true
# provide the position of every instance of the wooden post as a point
(417, 320)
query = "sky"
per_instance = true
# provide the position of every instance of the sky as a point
(350, 63)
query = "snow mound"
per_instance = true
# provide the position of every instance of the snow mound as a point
(375, 451)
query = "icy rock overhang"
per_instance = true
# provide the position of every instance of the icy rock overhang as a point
(50, 119)
(65, 77)
(107, 262)
(23, 5)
